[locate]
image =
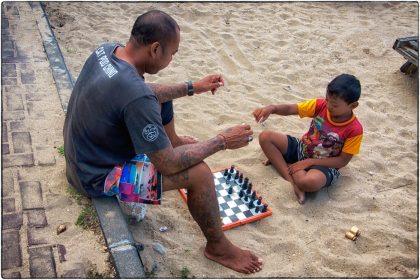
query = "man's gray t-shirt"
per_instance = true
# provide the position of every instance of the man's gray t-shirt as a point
(112, 115)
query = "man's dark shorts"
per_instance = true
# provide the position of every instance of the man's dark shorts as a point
(295, 153)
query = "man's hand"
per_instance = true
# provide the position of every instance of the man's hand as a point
(261, 114)
(211, 82)
(236, 137)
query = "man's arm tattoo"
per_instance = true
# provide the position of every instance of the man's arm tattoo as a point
(166, 93)
(172, 161)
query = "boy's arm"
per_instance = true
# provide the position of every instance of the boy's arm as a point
(261, 114)
(334, 162)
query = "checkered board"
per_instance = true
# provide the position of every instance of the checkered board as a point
(234, 211)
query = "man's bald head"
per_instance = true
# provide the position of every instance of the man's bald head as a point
(154, 26)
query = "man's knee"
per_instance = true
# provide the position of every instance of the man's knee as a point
(200, 174)
(265, 136)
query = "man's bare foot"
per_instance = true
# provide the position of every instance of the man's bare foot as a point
(227, 254)
(266, 162)
(299, 194)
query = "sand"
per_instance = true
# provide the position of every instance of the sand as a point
(283, 53)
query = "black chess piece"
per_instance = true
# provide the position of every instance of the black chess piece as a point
(228, 177)
(241, 193)
(232, 169)
(257, 209)
(244, 185)
(236, 175)
(226, 172)
(245, 198)
(251, 204)
(254, 195)
(249, 188)
(264, 208)
(241, 178)
(230, 190)
(259, 200)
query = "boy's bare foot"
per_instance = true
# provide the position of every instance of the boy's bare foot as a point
(299, 194)
(266, 162)
(227, 254)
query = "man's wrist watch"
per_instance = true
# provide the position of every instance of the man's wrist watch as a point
(190, 88)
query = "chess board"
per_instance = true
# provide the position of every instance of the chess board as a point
(235, 210)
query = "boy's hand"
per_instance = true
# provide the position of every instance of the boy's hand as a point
(261, 114)
(300, 165)
(211, 82)
(237, 136)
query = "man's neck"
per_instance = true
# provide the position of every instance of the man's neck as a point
(123, 53)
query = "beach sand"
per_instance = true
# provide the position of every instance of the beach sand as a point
(283, 53)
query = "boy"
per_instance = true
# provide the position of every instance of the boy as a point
(334, 136)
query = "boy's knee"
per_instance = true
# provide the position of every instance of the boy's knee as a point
(308, 184)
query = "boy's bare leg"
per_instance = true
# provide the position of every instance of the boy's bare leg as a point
(309, 181)
(202, 203)
(274, 146)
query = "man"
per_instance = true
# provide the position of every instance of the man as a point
(113, 117)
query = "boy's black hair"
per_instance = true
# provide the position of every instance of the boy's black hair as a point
(154, 26)
(345, 86)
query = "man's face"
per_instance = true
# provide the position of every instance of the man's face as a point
(164, 55)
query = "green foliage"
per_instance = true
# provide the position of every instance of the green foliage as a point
(61, 150)
(88, 219)
(93, 274)
(184, 272)
(78, 197)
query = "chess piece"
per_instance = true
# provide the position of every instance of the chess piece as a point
(257, 209)
(249, 188)
(232, 169)
(226, 172)
(241, 178)
(230, 190)
(264, 208)
(236, 175)
(241, 193)
(229, 176)
(244, 185)
(259, 200)
(254, 195)
(251, 204)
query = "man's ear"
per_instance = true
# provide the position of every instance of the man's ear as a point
(154, 49)
(354, 105)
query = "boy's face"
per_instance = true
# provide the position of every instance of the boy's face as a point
(338, 107)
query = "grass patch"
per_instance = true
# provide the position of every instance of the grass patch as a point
(88, 219)
(184, 272)
(93, 274)
(78, 197)
(61, 150)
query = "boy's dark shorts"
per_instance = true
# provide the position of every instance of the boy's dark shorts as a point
(295, 153)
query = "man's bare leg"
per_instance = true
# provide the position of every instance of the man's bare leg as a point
(202, 203)
(274, 146)
(175, 139)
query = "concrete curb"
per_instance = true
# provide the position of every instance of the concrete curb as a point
(117, 235)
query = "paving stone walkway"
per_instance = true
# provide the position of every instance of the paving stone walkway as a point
(36, 86)
(26, 87)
